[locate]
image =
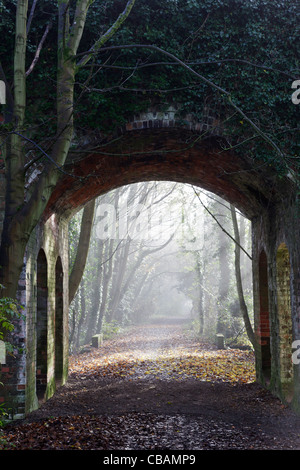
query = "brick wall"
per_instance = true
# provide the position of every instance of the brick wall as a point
(20, 373)
(283, 280)
(155, 118)
(276, 233)
(13, 372)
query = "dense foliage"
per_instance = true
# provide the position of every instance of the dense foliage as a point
(223, 41)
(247, 48)
(10, 310)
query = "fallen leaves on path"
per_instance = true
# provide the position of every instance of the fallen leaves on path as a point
(227, 366)
(71, 419)
(138, 431)
(181, 358)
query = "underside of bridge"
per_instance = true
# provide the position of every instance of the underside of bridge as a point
(170, 154)
(165, 153)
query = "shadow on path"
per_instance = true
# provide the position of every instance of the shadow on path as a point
(138, 386)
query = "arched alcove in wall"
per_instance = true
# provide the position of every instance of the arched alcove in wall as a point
(163, 155)
(41, 325)
(59, 302)
(264, 318)
(284, 316)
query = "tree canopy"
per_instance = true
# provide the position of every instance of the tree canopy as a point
(247, 48)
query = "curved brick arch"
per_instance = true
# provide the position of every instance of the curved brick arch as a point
(164, 152)
(161, 149)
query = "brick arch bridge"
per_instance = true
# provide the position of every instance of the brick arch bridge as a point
(156, 147)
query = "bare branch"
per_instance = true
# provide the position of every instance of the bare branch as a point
(205, 63)
(222, 91)
(31, 16)
(82, 249)
(109, 33)
(59, 168)
(39, 48)
(221, 227)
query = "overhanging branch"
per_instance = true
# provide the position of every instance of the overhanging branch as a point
(220, 225)
(213, 85)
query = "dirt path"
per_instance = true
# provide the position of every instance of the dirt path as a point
(148, 390)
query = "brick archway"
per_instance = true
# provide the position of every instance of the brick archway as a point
(165, 151)
(161, 151)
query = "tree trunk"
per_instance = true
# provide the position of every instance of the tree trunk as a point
(12, 246)
(243, 306)
(199, 303)
(82, 315)
(106, 280)
(224, 274)
(96, 292)
(82, 249)
(74, 311)
(21, 216)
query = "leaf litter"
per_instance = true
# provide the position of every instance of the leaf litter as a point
(157, 387)
(174, 361)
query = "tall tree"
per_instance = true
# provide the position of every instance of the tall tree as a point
(23, 211)
(96, 290)
(82, 249)
(238, 276)
(224, 269)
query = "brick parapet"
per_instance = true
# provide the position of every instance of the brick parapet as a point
(155, 119)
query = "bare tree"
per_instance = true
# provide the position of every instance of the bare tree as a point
(82, 249)
(238, 276)
(22, 214)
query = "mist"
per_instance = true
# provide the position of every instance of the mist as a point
(161, 252)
